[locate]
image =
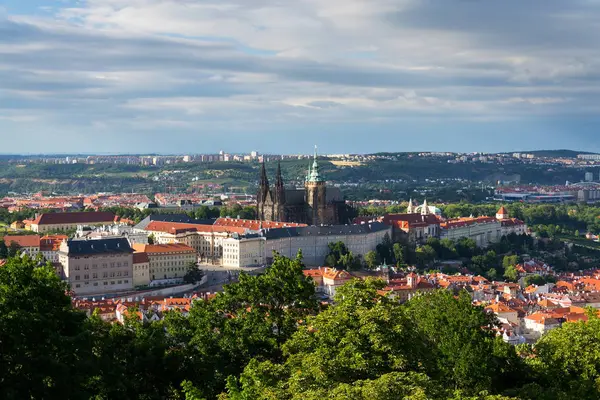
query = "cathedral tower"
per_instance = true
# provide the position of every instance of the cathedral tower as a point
(279, 197)
(316, 194)
(263, 198)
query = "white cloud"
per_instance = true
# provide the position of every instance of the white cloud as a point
(232, 62)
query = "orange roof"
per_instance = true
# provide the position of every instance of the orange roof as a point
(163, 248)
(502, 210)
(499, 308)
(546, 303)
(462, 222)
(51, 242)
(180, 227)
(23, 240)
(254, 224)
(329, 273)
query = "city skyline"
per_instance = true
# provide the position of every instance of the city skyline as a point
(158, 76)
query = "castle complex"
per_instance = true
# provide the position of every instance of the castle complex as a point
(315, 204)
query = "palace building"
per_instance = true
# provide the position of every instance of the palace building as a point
(315, 204)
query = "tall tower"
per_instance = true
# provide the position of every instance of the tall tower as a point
(316, 194)
(263, 196)
(279, 206)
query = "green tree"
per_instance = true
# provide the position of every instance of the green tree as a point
(399, 253)
(371, 259)
(567, 359)
(3, 249)
(425, 256)
(13, 249)
(46, 346)
(511, 273)
(193, 274)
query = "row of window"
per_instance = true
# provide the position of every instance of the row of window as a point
(105, 283)
(104, 265)
(104, 275)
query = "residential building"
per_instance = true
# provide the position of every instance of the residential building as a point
(95, 267)
(28, 244)
(168, 261)
(327, 280)
(404, 289)
(51, 222)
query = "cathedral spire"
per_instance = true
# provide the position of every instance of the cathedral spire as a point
(279, 186)
(263, 188)
(314, 173)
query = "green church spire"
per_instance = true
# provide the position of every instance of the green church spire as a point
(313, 175)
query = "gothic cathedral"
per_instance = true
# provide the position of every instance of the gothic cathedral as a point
(314, 205)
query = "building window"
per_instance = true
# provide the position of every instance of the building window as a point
(105, 283)
(76, 277)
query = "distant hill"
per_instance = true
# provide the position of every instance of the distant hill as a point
(557, 153)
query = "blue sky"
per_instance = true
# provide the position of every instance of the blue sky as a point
(181, 76)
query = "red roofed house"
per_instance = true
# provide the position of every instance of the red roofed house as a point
(405, 289)
(540, 322)
(69, 220)
(328, 279)
(29, 244)
(504, 313)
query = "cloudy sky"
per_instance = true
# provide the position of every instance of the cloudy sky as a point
(180, 76)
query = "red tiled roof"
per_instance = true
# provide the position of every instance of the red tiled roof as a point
(51, 242)
(23, 240)
(512, 222)
(163, 248)
(254, 224)
(140, 257)
(411, 219)
(180, 227)
(502, 210)
(74, 218)
(462, 222)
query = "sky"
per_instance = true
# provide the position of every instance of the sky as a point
(278, 76)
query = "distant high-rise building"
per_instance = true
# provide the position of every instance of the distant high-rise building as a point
(253, 154)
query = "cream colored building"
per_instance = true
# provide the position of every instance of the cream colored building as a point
(28, 244)
(52, 222)
(314, 240)
(168, 261)
(141, 269)
(207, 240)
(240, 251)
(94, 267)
(483, 230)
